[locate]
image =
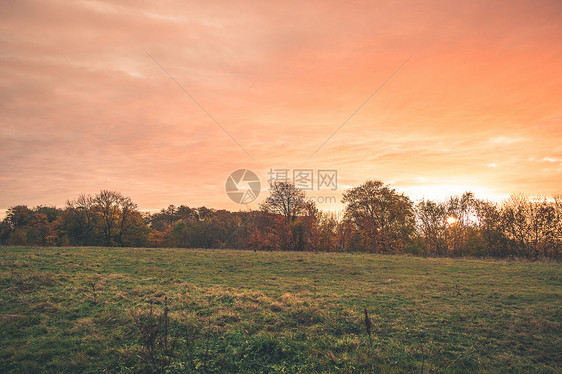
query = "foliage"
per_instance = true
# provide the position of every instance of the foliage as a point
(381, 218)
(376, 219)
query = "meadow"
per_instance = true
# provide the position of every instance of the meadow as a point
(131, 310)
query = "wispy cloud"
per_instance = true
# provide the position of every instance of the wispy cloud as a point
(508, 140)
(84, 108)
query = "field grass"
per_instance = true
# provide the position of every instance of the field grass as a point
(93, 309)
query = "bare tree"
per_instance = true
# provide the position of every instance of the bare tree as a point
(431, 225)
(107, 206)
(83, 219)
(287, 200)
(462, 222)
(529, 225)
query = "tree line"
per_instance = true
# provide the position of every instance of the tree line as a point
(376, 218)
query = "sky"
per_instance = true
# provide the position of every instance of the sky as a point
(163, 100)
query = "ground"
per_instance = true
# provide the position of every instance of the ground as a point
(94, 309)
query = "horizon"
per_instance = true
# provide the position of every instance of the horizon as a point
(340, 207)
(163, 103)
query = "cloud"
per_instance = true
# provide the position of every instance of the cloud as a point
(508, 140)
(84, 107)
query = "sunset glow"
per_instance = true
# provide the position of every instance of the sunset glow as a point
(163, 102)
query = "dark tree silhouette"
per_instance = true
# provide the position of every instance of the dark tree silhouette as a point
(285, 199)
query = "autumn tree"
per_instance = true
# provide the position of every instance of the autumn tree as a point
(290, 216)
(128, 216)
(38, 226)
(556, 232)
(431, 226)
(286, 200)
(491, 228)
(325, 233)
(105, 219)
(532, 226)
(463, 235)
(382, 217)
(80, 220)
(164, 219)
(136, 231)
(107, 205)
(19, 216)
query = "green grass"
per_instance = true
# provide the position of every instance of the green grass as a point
(242, 311)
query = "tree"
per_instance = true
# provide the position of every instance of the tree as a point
(136, 230)
(117, 214)
(37, 226)
(491, 228)
(326, 232)
(431, 224)
(556, 231)
(19, 216)
(383, 218)
(462, 233)
(5, 231)
(290, 216)
(80, 219)
(128, 209)
(530, 226)
(107, 205)
(285, 199)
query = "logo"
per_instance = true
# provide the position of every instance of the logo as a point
(243, 186)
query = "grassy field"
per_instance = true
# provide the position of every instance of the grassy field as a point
(142, 310)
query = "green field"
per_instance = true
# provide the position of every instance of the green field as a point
(94, 309)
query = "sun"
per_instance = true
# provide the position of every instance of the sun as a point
(451, 220)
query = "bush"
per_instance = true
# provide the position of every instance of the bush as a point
(18, 237)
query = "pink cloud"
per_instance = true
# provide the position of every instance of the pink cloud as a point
(84, 107)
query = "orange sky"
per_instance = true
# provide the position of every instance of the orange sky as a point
(478, 106)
